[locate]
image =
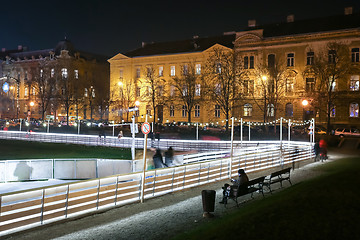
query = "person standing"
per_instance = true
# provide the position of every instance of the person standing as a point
(157, 158)
(169, 157)
(316, 151)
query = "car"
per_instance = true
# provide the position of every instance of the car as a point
(347, 132)
(320, 130)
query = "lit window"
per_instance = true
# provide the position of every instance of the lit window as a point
(185, 70)
(289, 85)
(197, 89)
(198, 69)
(76, 73)
(86, 92)
(247, 110)
(184, 111)
(26, 92)
(332, 84)
(354, 83)
(121, 74)
(137, 72)
(217, 111)
(332, 111)
(64, 73)
(172, 71)
(217, 88)
(248, 87)
(160, 90)
(52, 74)
(218, 68)
(172, 90)
(355, 55)
(138, 91)
(41, 72)
(161, 71)
(148, 110)
(172, 111)
(290, 59)
(197, 110)
(26, 75)
(33, 91)
(270, 110)
(185, 90)
(354, 110)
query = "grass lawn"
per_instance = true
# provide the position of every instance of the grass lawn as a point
(10, 149)
(326, 207)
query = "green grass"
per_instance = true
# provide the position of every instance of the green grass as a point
(326, 207)
(35, 150)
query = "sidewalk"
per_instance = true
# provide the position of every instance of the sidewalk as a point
(159, 218)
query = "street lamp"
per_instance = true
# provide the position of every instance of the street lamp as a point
(264, 78)
(304, 104)
(17, 91)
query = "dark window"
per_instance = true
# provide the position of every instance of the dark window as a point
(355, 55)
(246, 62)
(252, 59)
(289, 110)
(310, 58)
(271, 60)
(310, 84)
(332, 56)
(290, 59)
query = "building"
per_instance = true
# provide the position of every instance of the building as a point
(277, 59)
(55, 83)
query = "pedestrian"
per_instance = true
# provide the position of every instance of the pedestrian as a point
(230, 190)
(158, 159)
(120, 135)
(316, 151)
(169, 157)
(323, 149)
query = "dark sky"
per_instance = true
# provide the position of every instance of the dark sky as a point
(109, 27)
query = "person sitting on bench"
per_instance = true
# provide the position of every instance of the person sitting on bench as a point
(228, 190)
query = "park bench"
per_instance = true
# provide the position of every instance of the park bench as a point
(251, 186)
(278, 177)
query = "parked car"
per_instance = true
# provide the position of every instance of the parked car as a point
(347, 132)
(320, 130)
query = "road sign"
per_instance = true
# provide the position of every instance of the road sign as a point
(145, 128)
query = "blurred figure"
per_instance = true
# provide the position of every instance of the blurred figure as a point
(169, 157)
(157, 158)
(323, 150)
(316, 151)
(228, 190)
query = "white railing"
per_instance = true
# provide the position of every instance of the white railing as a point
(26, 209)
(81, 168)
(126, 142)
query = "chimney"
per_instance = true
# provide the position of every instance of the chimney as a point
(290, 18)
(19, 47)
(252, 23)
(3, 49)
(348, 10)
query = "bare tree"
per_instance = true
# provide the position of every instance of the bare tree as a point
(330, 65)
(223, 75)
(188, 86)
(122, 97)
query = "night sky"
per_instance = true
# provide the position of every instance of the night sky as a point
(110, 27)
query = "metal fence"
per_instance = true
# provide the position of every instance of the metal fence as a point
(126, 142)
(26, 209)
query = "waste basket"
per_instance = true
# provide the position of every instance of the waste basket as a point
(208, 201)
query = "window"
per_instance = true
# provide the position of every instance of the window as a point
(332, 111)
(332, 84)
(197, 89)
(271, 60)
(85, 92)
(355, 55)
(246, 62)
(310, 58)
(252, 62)
(52, 74)
(26, 75)
(172, 71)
(184, 90)
(270, 110)
(198, 68)
(148, 110)
(184, 111)
(247, 110)
(41, 72)
(161, 90)
(161, 71)
(185, 70)
(172, 111)
(149, 72)
(289, 112)
(93, 92)
(33, 91)
(197, 110)
(76, 74)
(137, 72)
(354, 110)
(121, 74)
(218, 68)
(332, 56)
(217, 88)
(289, 85)
(217, 111)
(248, 87)
(310, 84)
(138, 91)
(64, 73)
(290, 59)
(26, 92)
(172, 90)
(354, 83)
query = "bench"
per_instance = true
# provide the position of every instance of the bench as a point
(278, 177)
(247, 188)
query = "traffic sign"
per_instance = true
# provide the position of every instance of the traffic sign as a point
(145, 128)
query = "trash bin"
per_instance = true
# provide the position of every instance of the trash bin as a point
(208, 200)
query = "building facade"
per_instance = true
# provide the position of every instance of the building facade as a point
(55, 83)
(278, 62)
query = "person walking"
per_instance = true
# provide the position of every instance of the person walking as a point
(169, 157)
(316, 151)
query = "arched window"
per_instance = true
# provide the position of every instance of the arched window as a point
(270, 110)
(354, 110)
(289, 110)
(197, 110)
(247, 110)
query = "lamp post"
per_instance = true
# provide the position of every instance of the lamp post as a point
(17, 92)
(304, 104)
(264, 79)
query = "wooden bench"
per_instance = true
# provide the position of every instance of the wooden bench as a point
(247, 188)
(278, 177)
